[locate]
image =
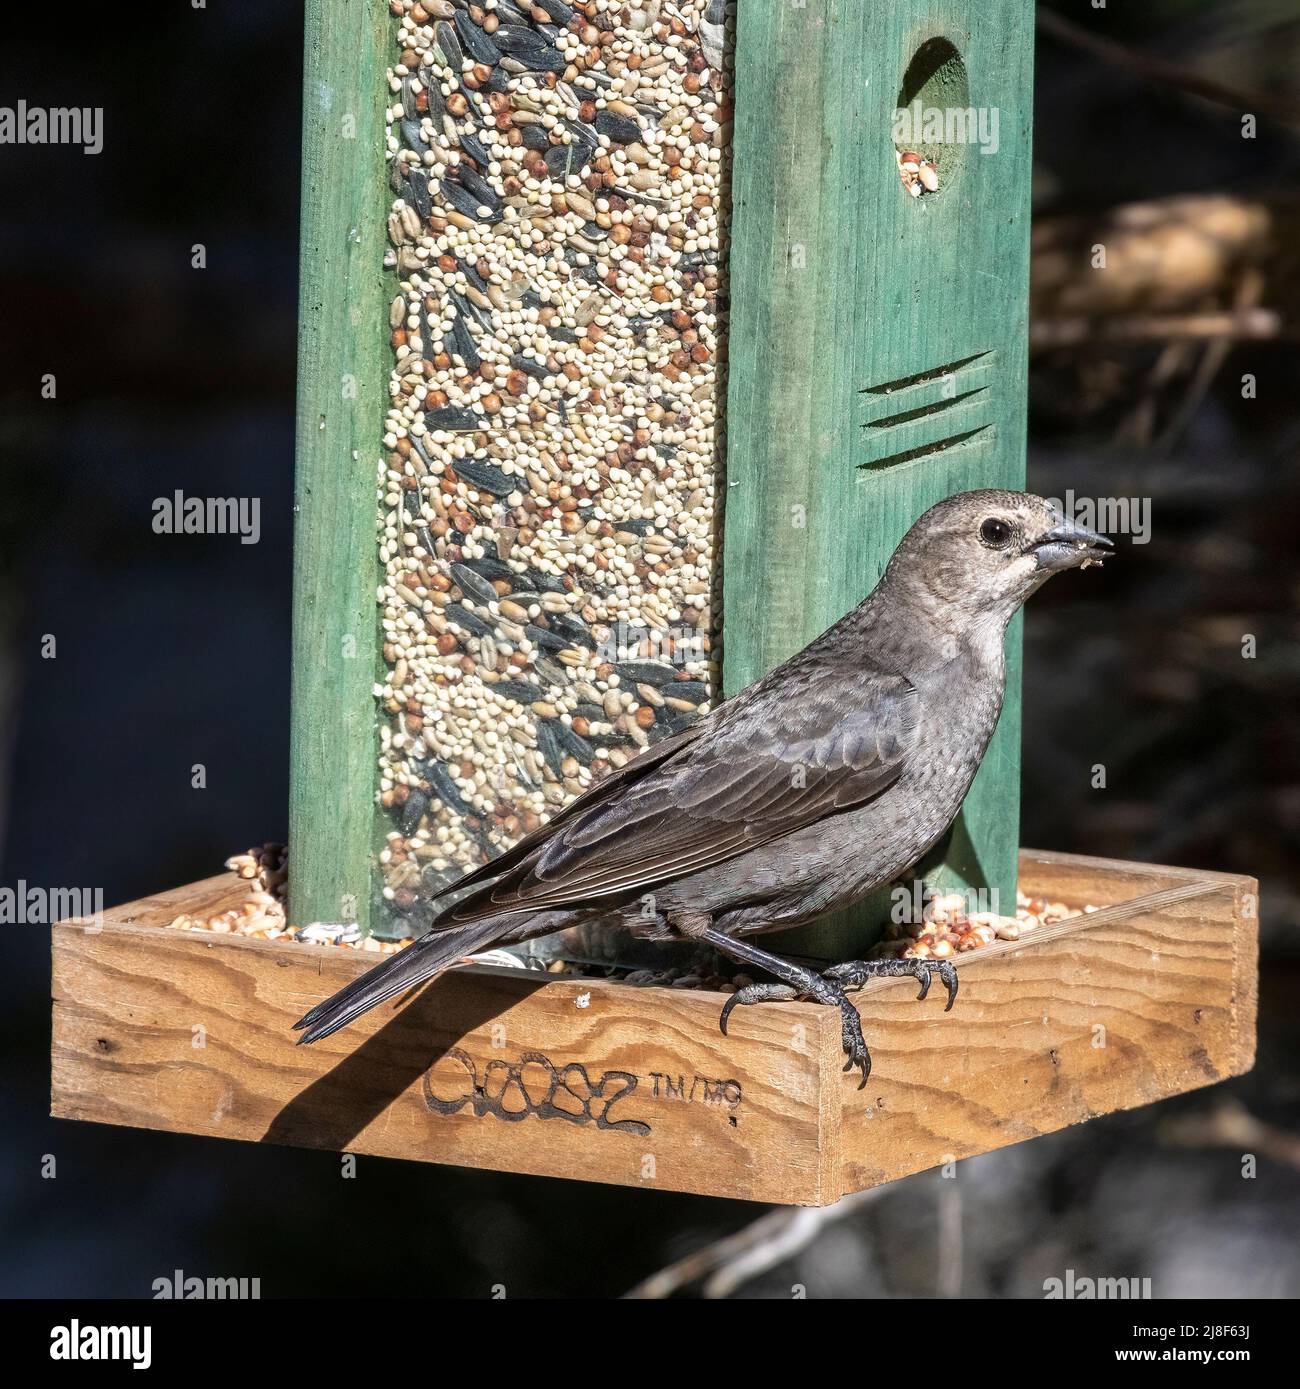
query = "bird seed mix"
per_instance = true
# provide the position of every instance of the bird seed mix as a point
(558, 225)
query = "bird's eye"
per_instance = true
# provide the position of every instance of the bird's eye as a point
(995, 532)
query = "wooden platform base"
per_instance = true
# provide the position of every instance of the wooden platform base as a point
(190, 1032)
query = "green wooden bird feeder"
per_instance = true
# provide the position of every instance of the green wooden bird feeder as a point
(626, 461)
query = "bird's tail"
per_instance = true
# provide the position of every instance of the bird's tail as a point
(428, 956)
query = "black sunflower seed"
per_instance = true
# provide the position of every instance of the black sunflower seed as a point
(563, 160)
(478, 186)
(607, 740)
(518, 39)
(548, 641)
(474, 147)
(644, 673)
(575, 743)
(413, 809)
(470, 272)
(619, 130)
(534, 368)
(481, 48)
(692, 691)
(487, 477)
(491, 568)
(585, 135)
(543, 583)
(460, 342)
(472, 623)
(417, 192)
(472, 585)
(437, 108)
(545, 57)
(411, 137)
(444, 786)
(450, 45)
(468, 205)
(520, 691)
(574, 629)
(548, 744)
(454, 418)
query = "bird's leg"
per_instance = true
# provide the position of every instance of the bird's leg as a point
(796, 981)
(829, 987)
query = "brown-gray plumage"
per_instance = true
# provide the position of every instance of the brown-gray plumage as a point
(820, 782)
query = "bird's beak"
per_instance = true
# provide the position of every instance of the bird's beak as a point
(1067, 545)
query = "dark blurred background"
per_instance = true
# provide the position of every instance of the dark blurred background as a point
(172, 652)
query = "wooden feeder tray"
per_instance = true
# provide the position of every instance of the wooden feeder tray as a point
(190, 1032)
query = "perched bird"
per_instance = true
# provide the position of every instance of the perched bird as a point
(822, 781)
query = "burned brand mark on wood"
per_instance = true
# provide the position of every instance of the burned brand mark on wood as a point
(536, 1085)
(512, 1090)
(695, 1089)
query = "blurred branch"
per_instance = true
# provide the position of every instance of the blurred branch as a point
(1140, 426)
(1165, 268)
(1231, 1125)
(1234, 325)
(768, 1241)
(1181, 280)
(1165, 74)
(1215, 354)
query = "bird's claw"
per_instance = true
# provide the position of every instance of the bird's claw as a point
(853, 1041)
(756, 993)
(854, 973)
(824, 991)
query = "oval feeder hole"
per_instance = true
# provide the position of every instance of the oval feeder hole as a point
(933, 120)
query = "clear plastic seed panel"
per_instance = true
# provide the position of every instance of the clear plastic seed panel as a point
(549, 496)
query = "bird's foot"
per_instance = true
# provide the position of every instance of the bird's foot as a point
(823, 989)
(831, 988)
(854, 973)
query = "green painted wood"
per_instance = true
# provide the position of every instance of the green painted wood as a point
(342, 376)
(878, 342)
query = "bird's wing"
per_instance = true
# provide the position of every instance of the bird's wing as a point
(598, 794)
(776, 760)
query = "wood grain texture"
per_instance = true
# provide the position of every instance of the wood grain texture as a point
(659, 1101)
(1112, 1011)
(342, 374)
(602, 1082)
(841, 286)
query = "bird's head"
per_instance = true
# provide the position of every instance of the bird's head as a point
(978, 555)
